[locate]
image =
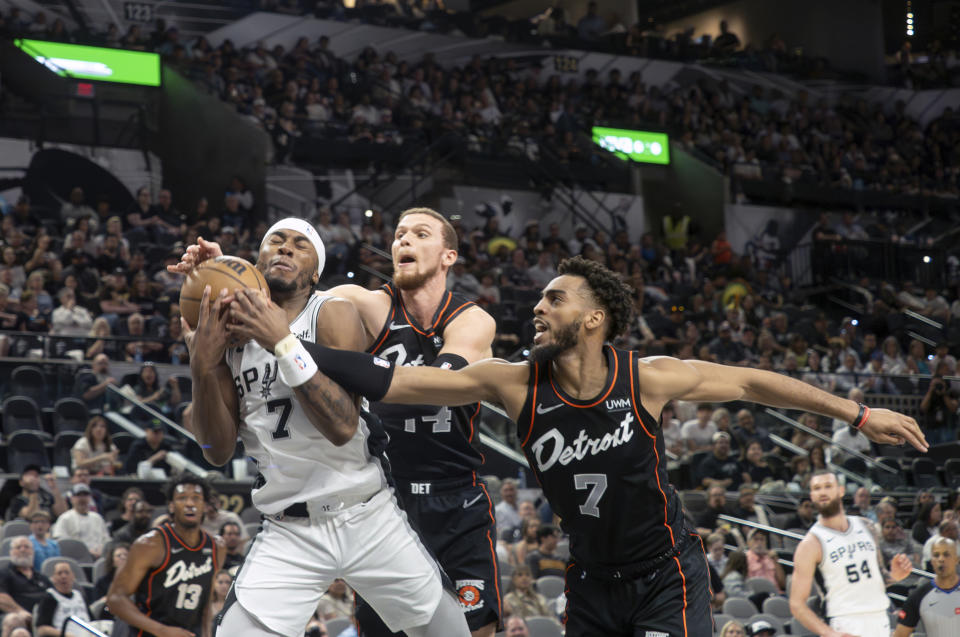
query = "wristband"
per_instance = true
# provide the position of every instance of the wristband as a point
(296, 366)
(285, 345)
(861, 418)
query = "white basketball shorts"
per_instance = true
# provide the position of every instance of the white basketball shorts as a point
(292, 562)
(863, 624)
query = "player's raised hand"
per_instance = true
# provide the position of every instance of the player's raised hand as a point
(900, 567)
(891, 428)
(195, 254)
(208, 342)
(255, 317)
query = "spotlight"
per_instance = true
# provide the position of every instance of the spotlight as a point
(349, 275)
(525, 352)
(854, 322)
(368, 214)
(926, 258)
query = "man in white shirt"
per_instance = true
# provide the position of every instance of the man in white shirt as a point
(848, 437)
(80, 523)
(507, 513)
(698, 433)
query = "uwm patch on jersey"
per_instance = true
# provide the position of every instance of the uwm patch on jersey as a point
(602, 465)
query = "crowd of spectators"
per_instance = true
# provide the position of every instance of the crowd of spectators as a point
(497, 106)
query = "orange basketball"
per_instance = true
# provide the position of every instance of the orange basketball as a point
(222, 272)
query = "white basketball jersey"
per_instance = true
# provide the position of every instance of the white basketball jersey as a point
(296, 461)
(850, 569)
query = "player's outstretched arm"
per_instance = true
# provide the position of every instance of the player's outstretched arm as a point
(195, 254)
(669, 378)
(215, 408)
(146, 554)
(330, 408)
(493, 380)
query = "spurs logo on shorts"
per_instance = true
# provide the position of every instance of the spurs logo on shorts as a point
(468, 592)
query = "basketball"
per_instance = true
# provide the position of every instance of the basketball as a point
(218, 273)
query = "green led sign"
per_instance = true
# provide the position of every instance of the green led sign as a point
(642, 146)
(94, 62)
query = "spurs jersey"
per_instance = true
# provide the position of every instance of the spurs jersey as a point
(176, 592)
(445, 447)
(850, 569)
(602, 466)
(296, 462)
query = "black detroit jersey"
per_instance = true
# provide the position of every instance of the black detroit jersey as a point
(445, 447)
(602, 466)
(176, 592)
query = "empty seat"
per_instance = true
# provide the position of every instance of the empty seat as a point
(62, 444)
(70, 414)
(75, 549)
(550, 586)
(887, 480)
(739, 607)
(26, 448)
(951, 472)
(28, 380)
(544, 627)
(14, 528)
(21, 413)
(761, 585)
(123, 440)
(924, 473)
(777, 606)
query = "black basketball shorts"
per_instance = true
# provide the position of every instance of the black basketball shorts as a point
(673, 600)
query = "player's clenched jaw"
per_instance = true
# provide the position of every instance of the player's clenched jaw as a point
(419, 251)
(288, 262)
(188, 505)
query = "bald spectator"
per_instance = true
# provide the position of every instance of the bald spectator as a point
(60, 601)
(21, 586)
(138, 525)
(232, 534)
(516, 627)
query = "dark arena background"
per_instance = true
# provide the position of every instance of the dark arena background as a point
(777, 182)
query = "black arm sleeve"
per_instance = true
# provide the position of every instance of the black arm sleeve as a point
(357, 372)
(45, 610)
(444, 361)
(909, 615)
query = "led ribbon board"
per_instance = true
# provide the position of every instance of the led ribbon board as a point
(94, 63)
(641, 146)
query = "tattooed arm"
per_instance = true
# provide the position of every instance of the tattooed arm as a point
(329, 407)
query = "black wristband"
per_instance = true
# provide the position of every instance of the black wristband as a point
(357, 372)
(858, 421)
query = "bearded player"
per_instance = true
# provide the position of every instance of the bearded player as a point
(415, 321)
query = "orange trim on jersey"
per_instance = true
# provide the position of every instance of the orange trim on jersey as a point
(634, 397)
(412, 326)
(386, 331)
(472, 418)
(683, 582)
(613, 381)
(203, 538)
(493, 547)
(566, 597)
(453, 314)
(533, 403)
(166, 560)
(440, 315)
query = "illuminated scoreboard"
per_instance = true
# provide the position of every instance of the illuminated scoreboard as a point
(75, 61)
(641, 146)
